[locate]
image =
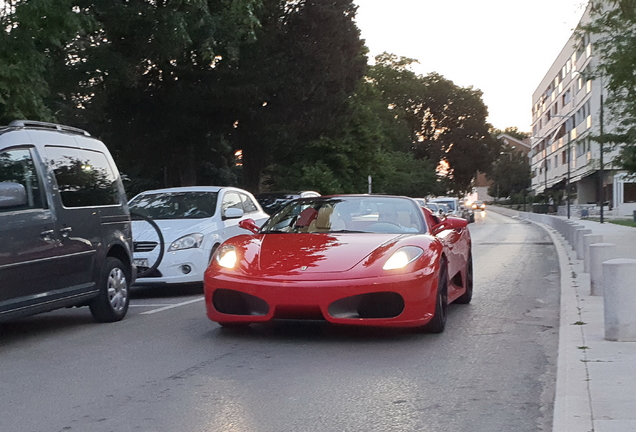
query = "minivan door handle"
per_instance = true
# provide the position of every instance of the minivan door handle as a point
(47, 235)
(66, 231)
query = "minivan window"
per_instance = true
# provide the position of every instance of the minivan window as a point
(84, 177)
(16, 165)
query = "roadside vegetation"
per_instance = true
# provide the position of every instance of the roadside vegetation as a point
(262, 94)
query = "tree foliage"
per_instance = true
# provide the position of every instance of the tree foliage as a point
(510, 175)
(513, 131)
(176, 87)
(447, 123)
(614, 24)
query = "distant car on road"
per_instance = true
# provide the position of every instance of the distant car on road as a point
(479, 205)
(193, 221)
(435, 208)
(454, 206)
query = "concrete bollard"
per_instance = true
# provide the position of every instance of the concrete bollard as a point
(619, 299)
(599, 253)
(571, 234)
(589, 239)
(579, 241)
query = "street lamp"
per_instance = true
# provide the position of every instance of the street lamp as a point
(601, 173)
(509, 153)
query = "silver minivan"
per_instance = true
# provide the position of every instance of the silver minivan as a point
(65, 229)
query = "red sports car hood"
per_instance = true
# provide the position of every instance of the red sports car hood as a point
(319, 253)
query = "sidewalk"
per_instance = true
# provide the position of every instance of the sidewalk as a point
(596, 378)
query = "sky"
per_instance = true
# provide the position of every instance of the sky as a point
(502, 47)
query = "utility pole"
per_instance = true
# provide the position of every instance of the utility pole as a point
(601, 173)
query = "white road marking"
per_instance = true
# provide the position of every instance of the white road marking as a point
(150, 305)
(172, 306)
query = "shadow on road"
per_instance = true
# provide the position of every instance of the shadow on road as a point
(316, 331)
(165, 291)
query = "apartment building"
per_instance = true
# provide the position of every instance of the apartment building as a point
(567, 111)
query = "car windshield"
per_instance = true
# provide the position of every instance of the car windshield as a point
(176, 205)
(342, 214)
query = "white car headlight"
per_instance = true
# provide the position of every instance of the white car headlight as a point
(226, 256)
(402, 257)
(186, 242)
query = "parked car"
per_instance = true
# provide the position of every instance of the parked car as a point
(193, 221)
(421, 201)
(65, 231)
(437, 209)
(349, 259)
(274, 201)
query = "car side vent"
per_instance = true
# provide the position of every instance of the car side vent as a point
(144, 246)
(50, 126)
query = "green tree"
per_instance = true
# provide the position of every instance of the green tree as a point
(447, 123)
(510, 175)
(513, 131)
(31, 32)
(142, 75)
(614, 24)
(293, 87)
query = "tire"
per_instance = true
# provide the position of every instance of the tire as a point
(438, 322)
(111, 304)
(468, 295)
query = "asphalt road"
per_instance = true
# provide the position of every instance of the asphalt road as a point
(166, 367)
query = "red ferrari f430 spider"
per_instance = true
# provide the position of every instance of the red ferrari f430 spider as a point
(369, 260)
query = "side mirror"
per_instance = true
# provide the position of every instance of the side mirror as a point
(233, 213)
(12, 195)
(249, 225)
(450, 223)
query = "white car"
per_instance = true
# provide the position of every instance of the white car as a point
(193, 221)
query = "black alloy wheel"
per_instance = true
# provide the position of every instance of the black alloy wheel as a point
(438, 322)
(468, 295)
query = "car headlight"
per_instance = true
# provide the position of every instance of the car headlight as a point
(186, 242)
(402, 257)
(226, 256)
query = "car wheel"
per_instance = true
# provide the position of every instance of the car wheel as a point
(111, 304)
(468, 295)
(438, 322)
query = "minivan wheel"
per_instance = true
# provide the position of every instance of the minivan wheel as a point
(111, 304)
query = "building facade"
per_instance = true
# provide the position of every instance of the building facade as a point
(567, 112)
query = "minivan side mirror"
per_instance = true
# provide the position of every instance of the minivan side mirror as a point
(233, 213)
(12, 195)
